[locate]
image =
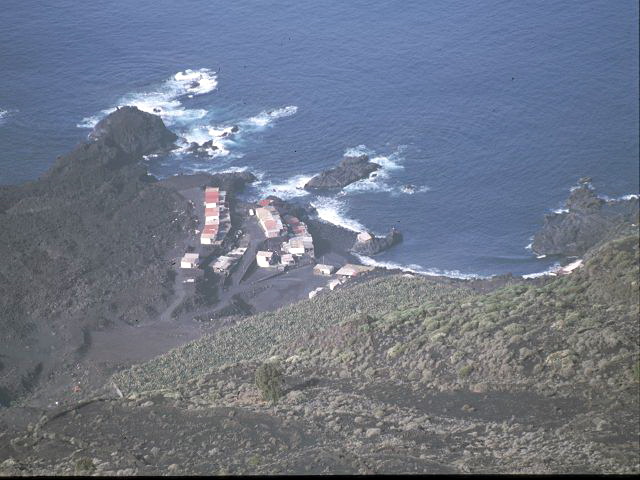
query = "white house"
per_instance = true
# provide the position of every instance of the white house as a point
(264, 259)
(190, 260)
(335, 283)
(321, 269)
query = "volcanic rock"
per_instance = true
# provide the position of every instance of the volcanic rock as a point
(369, 244)
(350, 169)
(136, 132)
(587, 220)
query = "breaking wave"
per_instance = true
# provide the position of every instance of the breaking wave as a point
(382, 179)
(551, 272)
(264, 119)
(291, 188)
(333, 211)
(3, 115)
(165, 99)
(417, 269)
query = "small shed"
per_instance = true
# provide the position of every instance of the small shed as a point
(190, 260)
(264, 259)
(335, 283)
(322, 269)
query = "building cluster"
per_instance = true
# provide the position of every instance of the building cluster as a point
(299, 242)
(216, 216)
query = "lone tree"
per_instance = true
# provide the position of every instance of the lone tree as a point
(269, 381)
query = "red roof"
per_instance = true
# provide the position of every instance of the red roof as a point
(210, 229)
(264, 203)
(211, 211)
(271, 225)
(211, 197)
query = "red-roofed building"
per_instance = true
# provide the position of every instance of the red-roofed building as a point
(264, 202)
(211, 215)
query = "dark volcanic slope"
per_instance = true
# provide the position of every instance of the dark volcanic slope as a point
(587, 221)
(83, 247)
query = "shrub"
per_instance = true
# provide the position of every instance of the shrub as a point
(269, 381)
(465, 371)
(84, 465)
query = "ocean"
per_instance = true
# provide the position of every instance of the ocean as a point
(491, 110)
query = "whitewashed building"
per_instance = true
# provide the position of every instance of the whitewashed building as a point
(190, 260)
(264, 259)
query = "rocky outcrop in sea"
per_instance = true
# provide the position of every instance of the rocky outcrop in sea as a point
(350, 169)
(369, 244)
(586, 220)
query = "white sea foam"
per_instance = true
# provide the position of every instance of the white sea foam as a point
(165, 99)
(332, 210)
(551, 272)
(558, 211)
(287, 190)
(264, 119)
(619, 199)
(418, 269)
(382, 179)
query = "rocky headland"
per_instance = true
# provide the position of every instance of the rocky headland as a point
(350, 169)
(587, 220)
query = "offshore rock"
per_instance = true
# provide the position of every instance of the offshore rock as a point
(369, 244)
(586, 221)
(350, 169)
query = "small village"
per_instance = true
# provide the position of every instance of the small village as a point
(267, 245)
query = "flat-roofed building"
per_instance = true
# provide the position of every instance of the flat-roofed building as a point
(264, 259)
(351, 270)
(322, 269)
(189, 260)
(223, 264)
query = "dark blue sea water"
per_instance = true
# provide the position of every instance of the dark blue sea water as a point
(492, 109)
